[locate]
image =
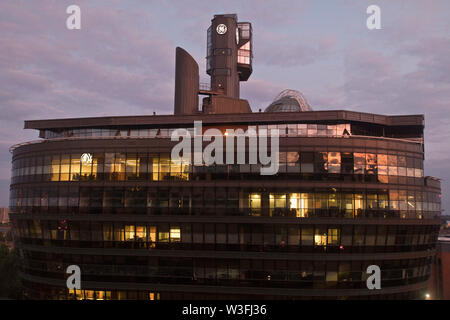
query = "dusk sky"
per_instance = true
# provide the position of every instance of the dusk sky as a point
(122, 61)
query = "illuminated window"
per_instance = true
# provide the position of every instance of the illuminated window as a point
(320, 237)
(277, 204)
(109, 165)
(129, 233)
(175, 234)
(141, 232)
(255, 204)
(89, 294)
(65, 167)
(359, 205)
(175, 168)
(152, 236)
(372, 202)
(86, 165)
(119, 167)
(333, 236)
(55, 168)
(164, 167)
(332, 276)
(383, 201)
(75, 167)
(119, 234)
(163, 236)
(185, 169)
(132, 167)
(99, 295)
(153, 296)
(94, 168)
(155, 168)
(301, 204)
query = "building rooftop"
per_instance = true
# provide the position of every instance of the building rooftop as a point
(238, 118)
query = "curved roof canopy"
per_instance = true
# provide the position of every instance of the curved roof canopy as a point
(289, 101)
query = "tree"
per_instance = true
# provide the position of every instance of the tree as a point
(10, 284)
(9, 236)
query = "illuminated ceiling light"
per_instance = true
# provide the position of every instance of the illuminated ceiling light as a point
(86, 159)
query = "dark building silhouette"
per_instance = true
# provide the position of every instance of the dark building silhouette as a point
(439, 286)
(105, 194)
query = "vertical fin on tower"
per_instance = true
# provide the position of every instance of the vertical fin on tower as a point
(186, 83)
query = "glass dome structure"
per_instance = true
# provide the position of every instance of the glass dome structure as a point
(289, 101)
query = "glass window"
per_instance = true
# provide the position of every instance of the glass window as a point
(321, 162)
(393, 171)
(381, 235)
(372, 201)
(371, 163)
(334, 162)
(119, 167)
(300, 205)
(277, 204)
(392, 160)
(292, 130)
(152, 235)
(132, 166)
(347, 162)
(359, 205)
(163, 233)
(302, 129)
(164, 167)
(55, 168)
(333, 236)
(383, 201)
(320, 236)
(86, 160)
(255, 204)
(109, 165)
(292, 158)
(401, 161)
(312, 130)
(65, 167)
(402, 171)
(410, 172)
(307, 236)
(107, 231)
(382, 160)
(175, 234)
(294, 236)
(359, 162)
(119, 232)
(75, 167)
(129, 233)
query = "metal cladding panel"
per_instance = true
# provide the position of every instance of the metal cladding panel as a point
(186, 83)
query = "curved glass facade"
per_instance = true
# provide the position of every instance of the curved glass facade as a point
(143, 226)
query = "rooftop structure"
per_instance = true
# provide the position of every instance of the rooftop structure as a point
(289, 101)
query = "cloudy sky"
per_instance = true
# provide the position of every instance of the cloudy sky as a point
(122, 60)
